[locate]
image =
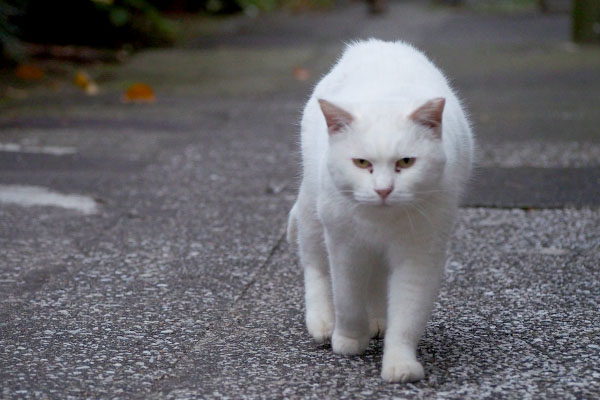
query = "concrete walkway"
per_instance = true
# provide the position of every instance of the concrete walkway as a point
(154, 264)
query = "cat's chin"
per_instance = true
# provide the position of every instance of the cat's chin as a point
(383, 204)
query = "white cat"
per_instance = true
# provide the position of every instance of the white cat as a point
(386, 152)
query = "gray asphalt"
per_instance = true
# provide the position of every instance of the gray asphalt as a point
(182, 286)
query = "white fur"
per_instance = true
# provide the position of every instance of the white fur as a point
(369, 267)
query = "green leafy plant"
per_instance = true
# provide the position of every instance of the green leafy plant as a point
(138, 16)
(9, 44)
(99, 23)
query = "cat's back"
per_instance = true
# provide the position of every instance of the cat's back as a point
(374, 69)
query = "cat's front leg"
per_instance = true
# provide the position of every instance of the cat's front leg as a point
(377, 302)
(350, 271)
(413, 287)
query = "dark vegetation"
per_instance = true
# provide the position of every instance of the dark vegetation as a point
(117, 24)
(103, 23)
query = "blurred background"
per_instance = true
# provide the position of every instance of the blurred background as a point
(528, 69)
(26, 26)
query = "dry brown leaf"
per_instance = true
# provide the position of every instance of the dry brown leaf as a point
(55, 85)
(92, 89)
(139, 93)
(29, 72)
(83, 80)
(301, 74)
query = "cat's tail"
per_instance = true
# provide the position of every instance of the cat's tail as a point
(292, 226)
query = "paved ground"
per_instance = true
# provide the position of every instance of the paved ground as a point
(180, 284)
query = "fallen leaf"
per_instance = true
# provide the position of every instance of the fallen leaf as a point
(55, 85)
(139, 93)
(83, 80)
(301, 74)
(29, 72)
(92, 89)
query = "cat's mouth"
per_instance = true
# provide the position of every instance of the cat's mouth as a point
(383, 203)
(396, 201)
(376, 203)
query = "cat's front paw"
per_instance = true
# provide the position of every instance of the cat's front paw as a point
(402, 370)
(348, 346)
(377, 327)
(320, 326)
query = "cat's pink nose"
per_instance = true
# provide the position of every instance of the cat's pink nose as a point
(383, 193)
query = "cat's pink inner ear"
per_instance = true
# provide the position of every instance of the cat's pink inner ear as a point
(430, 115)
(335, 117)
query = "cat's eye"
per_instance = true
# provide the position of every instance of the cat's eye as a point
(362, 163)
(405, 162)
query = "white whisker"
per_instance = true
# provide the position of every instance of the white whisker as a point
(412, 227)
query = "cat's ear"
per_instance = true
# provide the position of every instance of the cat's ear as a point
(429, 115)
(336, 118)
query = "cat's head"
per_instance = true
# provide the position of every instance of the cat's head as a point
(383, 155)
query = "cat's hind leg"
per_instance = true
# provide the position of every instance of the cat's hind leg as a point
(317, 281)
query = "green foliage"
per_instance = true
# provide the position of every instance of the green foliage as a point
(233, 6)
(114, 23)
(252, 6)
(140, 17)
(101, 23)
(9, 44)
